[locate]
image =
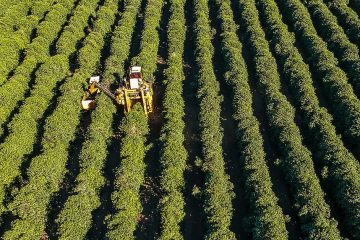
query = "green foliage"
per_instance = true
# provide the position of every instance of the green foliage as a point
(12, 42)
(343, 175)
(345, 105)
(32, 201)
(149, 39)
(13, 17)
(173, 153)
(297, 164)
(12, 91)
(218, 188)
(7, 5)
(76, 217)
(48, 75)
(19, 143)
(347, 18)
(267, 218)
(333, 34)
(129, 175)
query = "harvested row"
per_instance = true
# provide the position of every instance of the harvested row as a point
(13, 43)
(269, 222)
(346, 52)
(14, 90)
(342, 167)
(130, 174)
(48, 168)
(313, 211)
(24, 126)
(173, 153)
(345, 104)
(217, 190)
(76, 217)
(46, 33)
(347, 18)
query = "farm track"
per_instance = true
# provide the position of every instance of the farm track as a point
(148, 227)
(231, 154)
(236, 165)
(280, 186)
(193, 226)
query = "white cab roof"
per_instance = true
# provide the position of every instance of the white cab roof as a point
(94, 79)
(135, 69)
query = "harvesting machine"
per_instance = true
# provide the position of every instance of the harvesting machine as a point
(132, 89)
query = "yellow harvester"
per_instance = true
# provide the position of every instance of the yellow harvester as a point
(133, 89)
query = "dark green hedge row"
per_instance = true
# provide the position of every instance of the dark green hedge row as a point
(355, 4)
(173, 153)
(129, 176)
(13, 42)
(342, 167)
(345, 105)
(217, 190)
(23, 127)
(347, 17)
(346, 52)
(267, 218)
(47, 170)
(38, 51)
(297, 164)
(75, 219)
(131, 173)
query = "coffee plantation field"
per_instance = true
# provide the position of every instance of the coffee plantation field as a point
(255, 132)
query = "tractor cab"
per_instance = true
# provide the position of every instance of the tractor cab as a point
(135, 77)
(133, 89)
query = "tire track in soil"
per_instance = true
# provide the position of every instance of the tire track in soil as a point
(193, 226)
(233, 166)
(280, 187)
(150, 192)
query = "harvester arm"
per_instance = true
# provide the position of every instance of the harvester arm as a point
(105, 90)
